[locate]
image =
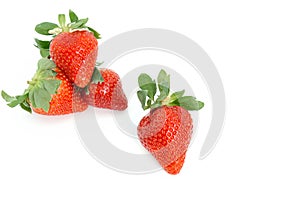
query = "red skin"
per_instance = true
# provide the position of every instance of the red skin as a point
(75, 53)
(108, 94)
(166, 133)
(66, 100)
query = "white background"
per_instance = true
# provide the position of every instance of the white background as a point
(255, 46)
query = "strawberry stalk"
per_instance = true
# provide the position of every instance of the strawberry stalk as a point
(41, 87)
(149, 88)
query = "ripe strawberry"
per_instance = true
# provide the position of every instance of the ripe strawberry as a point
(107, 94)
(74, 48)
(75, 53)
(49, 93)
(167, 130)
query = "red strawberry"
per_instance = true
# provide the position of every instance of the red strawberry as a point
(66, 99)
(166, 134)
(75, 53)
(167, 130)
(107, 94)
(49, 93)
(74, 48)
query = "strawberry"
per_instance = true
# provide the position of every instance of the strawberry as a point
(75, 53)
(73, 49)
(167, 130)
(107, 94)
(49, 93)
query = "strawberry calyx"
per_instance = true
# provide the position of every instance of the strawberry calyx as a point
(149, 88)
(52, 29)
(40, 90)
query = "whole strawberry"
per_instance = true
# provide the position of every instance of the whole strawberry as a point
(107, 94)
(73, 49)
(167, 130)
(49, 93)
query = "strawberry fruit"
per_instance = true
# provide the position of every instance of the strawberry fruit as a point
(167, 130)
(50, 92)
(73, 49)
(107, 94)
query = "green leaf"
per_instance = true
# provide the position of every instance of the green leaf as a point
(45, 53)
(46, 74)
(51, 85)
(86, 89)
(73, 16)
(96, 34)
(161, 96)
(13, 104)
(201, 104)
(44, 64)
(142, 95)
(79, 24)
(31, 97)
(146, 83)
(7, 97)
(97, 76)
(156, 105)
(25, 106)
(190, 103)
(42, 99)
(99, 63)
(176, 95)
(163, 80)
(45, 27)
(17, 100)
(42, 44)
(21, 98)
(62, 20)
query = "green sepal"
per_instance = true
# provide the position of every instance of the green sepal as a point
(45, 27)
(25, 106)
(97, 76)
(14, 101)
(31, 98)
(41, 44)
(73, 16)
(62, 20)
(44, 64)
(189, 103)
(156, 105)
(163, 81)
(79, 24)
(13, 104)
(146, 83)
(162, 96)
(45, 53)
(96, 34)
(142, 95)
(176, 95)
(99, 63)
(86, 90)
(42, 98)
(51, 85)
(7, 97)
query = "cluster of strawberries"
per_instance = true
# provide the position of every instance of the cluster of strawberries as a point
(67, 81)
